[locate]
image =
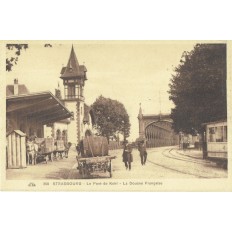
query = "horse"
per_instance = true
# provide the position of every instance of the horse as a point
(31, 151)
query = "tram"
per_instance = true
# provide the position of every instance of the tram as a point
(215, 141)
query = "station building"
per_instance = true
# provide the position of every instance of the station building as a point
(29, 112)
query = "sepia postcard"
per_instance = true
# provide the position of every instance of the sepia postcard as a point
(115, 116)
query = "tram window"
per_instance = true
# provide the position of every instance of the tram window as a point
(211, 137)
(225, 134)
(219, 134)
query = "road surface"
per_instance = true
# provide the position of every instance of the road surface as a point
(164, 162)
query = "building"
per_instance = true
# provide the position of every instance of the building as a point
(157, 130)
(29, 112)
(74, 77)
(26, 115)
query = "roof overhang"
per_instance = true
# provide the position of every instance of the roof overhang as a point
(215, 122)
(43, 107)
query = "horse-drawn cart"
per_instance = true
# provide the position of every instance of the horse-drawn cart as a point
(94, 159)
(51, 149)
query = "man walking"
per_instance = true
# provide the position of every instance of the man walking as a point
(143, 152)
(127, 155)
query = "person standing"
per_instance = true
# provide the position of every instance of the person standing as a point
(127, 155)
(143, 152)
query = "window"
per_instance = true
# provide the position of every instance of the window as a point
(71, 91)
(217, 134)
(58, 134)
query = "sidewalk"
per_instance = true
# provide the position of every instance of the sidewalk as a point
(58, 169)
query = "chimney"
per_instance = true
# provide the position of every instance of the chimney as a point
(58, 94)
(16, 87)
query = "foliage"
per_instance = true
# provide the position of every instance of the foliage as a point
(198, 87)
(111, 118)
(13, 60)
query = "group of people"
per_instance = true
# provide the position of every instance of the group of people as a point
(127, 153)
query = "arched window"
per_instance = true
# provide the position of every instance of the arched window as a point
(64, 136)
(58, 134)
(88, 133)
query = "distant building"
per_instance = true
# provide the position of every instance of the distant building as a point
(157, 129)
(74, 77)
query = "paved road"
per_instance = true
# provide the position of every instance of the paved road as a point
(165, 162)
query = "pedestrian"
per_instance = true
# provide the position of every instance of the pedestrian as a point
(127, 155)
(142, 151)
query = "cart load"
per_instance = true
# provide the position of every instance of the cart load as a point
(47, 146)
(94, 159)
(94, 146)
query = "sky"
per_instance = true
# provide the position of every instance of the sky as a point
(131, 72)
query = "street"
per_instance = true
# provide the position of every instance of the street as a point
(162, 162)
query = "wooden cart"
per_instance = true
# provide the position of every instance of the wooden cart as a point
(94, 159)
(95, 166)
(47, 147)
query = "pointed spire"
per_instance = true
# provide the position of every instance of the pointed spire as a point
(140, 112)
(73, 68)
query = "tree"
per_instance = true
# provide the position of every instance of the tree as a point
(111, 118)
(13, 60)
(198, 88)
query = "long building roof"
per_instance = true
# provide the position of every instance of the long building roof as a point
(41, 106)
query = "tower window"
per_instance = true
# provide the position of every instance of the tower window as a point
(71, 91)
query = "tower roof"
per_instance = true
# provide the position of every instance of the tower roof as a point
(73, 69)
(140, 116)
